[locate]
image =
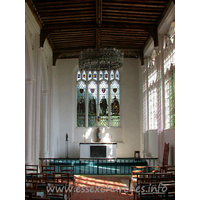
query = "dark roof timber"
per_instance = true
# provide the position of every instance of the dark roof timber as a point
(73, 25)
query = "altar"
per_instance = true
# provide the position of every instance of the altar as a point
(98, 150)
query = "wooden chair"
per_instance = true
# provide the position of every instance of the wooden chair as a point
(58, 190)
(68, 169)
(40, 179)
(164, 195)
(135, 170)
(160, 177)
(151, 179)
(165, 154)
(168, 194)
(29, 169)
(31, 190)
(164, 167)
(49, 170)
(61, 177)
(154, 169)
(144, 191)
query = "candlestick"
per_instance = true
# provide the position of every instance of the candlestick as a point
(84, 137)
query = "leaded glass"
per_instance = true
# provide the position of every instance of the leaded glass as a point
(78, 76)
(115, 104)
(112, 75)
(95, 75)
(117, 75)
(167, 104)
(172, 99)
(89, 75)
(100, 75)
(92, 100)
(103, 103)
(81, 92)
(84, 75)
(106, 75)
(101, 93)
(153, 108)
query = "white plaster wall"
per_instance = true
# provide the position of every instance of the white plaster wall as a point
(153, 143)
(127, 136)
(56, 124)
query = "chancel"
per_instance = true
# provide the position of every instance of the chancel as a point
(100, 88)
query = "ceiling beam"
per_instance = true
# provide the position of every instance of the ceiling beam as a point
(46, 30)
(141, 56)
(154, 34)
(98, 12)
(98, 22)
(165, 10)
(35, 14)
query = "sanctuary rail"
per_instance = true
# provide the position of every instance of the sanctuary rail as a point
(106, 166)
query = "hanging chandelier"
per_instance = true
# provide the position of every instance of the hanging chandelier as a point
(100, 59)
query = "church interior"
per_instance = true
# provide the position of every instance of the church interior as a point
(100, 93)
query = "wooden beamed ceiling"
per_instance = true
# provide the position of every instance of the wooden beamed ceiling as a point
(73, 25)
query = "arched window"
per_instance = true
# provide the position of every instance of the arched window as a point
(81, 95)
(153, 92)
(98, 94)
(169, 77)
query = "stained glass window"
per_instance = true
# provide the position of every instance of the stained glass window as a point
(89, 75)
(78, 76)
(92, 104)
(84, 75)
(153, 108)
(153, 92)
(106, 75)
(170, 98)
(115, 103)
(144, 75)
(169, 77)
(112, 75)
(103, 103)
(103, 98)
(100, 75)
(95, 75)
(81, 92)
(117, 75)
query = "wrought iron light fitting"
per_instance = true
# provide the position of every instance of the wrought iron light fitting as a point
(101, 59)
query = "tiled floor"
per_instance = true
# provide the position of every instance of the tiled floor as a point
(101, 187)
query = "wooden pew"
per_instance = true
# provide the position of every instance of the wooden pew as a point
(29, 169)
(68, 169)
(58, 190)
(49, 170)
